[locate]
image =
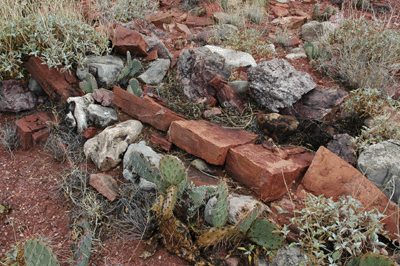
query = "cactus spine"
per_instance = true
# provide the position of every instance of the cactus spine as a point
(37, 253)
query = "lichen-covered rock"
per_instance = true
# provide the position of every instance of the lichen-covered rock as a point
(79, 105)
(106, 149)
(276, 84)
(234, 58)
(16, 97)
(277, 126)
(343, 146)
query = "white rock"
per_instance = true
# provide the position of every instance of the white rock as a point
(232, 57)
(79, 106)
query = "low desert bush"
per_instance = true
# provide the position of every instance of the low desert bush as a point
(54, 31)
(333, 232)
(8, 136)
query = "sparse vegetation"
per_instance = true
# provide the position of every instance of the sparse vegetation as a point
(9, 139)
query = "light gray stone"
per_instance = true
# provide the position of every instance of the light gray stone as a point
(239, 205)
(105, 69)
(285, 256)
(154, 43)
(35, 87)
(276, 84)
(101, 116)
(150, 154)
(240, 86)
(294, 56)
(79, 107)
(156, 72)
(233, 58)
(380, 164)
(315, 31)
(70, 120)
(106, 148)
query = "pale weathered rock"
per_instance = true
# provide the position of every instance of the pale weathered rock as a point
(321, 104)
(277, 126)
(105, 69)
(101, 116)
(239, 206)
(269, 172)
(156, 72)
(196, 68)
(380, 164)
(330, 176)
(150, 154)
(294, 56)
(207, 140)
(16, 97)
(105, 184)
(343, 146)
(106, 149)
(240, 86)
(79, 107)
(104, 97)
(154, 43)
(288, 256)
(145, 109)
(276, 84)
(233, 58)
(314, 30)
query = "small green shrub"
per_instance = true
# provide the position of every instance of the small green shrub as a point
(332, 233)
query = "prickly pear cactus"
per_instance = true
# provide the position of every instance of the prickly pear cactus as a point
(315, 15)
(83, 249)
(311, 51)
(92, 81)
(132, 67)
(245, 223)
(173, 172)
(220, 213)
(85, 86)
(213, 236)
(37, 253)
(144, 168)
(371, 259)
(262, 232)
(133, 87)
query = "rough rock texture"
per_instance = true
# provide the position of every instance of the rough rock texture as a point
(106, 149)
(207, 140)
(104, 97)
(79, 107)
(342, 146)
(288, 256)
(105, 69)
(240, 86)
(58, 86)
(129, 40)
(196, 68)
(35, 87)
(155, 44)
(34, 128)
(101, 116)
(239, 205)
(330, 176)
(276, 84)
(16, 97)
(321, 104)
(105, 184)
(313, 30)
(269, 172)
(227, 96)
(380, 163)
(234, 58)
(156, 72)
(277, 126)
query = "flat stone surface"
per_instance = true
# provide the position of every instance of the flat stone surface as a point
(105, 184)
(145, 109)
(269, 172)
(129, 40)
(233, 58)
(207, 140)
(331, 176)
(58, 86)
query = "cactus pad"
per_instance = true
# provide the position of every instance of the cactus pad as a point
(37, 253)
(173, 172)
(245, 223)
(371, 259)
(220, 212)
(144, 168)
(133, 87)
(92, 81)
(262, 233)
(83, 249)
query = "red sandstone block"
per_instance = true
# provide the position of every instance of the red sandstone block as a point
(31, 124)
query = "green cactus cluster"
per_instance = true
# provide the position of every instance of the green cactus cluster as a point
(131, 68)
(89, 85)
(220, 213)
(326, 15)
(134, 87)
(312, 50)
(38, 253)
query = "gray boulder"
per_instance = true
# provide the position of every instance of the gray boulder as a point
(106, 149)
(314, 30)
(16, 97)
(101, 116)
(380, 164)
(233, 58)
(156, 72)
(343, 146)
(79, 105)
(277, 84)
(286, 256)
(35, 87)
(129, 172)
(154, 43)
(105, 69)
(196, 68)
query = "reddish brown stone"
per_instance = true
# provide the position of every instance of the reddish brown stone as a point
(293, 42)
(31, 124)
(207, 140)
(201, 179)
(331, 176)
(104, 97)
(227, 96)
(280, 11)
(183, 28)
(41, 135)
(269, 172)
(90, 132)
(151, 56)
(212, 112)
(58, 86)
(193, 21)
(128, 40)
(213, 8)
(105, 185)
(161, 141)
(145, 109)
(159, 18)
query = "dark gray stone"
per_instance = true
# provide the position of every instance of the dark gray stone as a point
(156, 72)
(101, 116)
(276, 84)
(343, 146)
(16, 97)
(154, 43)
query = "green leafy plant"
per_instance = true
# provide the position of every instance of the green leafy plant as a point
(131, 68)
(332, 232)
(134, 87)
(14, 256)
(89, 85)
